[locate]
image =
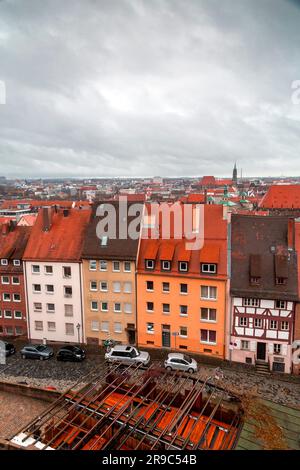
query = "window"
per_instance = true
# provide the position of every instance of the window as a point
(127, 266)
(208, 314)
(208, 292)
(127, 307)
(118, 327)
(245, 345)
(94, 306)
(243, 321)
(116, 266)
(105, 326)
(19, 330)
(117, 307)
(208, 336)
(6, 297)
(166, 308)
(0, 313)
(68, 310)
(183, 331)
(94, 325)
(150, 306)
(37, 306)
(285, 325)
(37, 288)
(5, 279)
(67, 272)
(183, 288)
(4, 262)
(17, 262)
(7, 314)
(49, 288)
(48, 269)
(208, 268)
(273, 325)
(183, 309)
(68, 291)
(149, 264)
(250, 302)
(51, 326)
(150, 328)
(116, 286)
(50, 308)
(103, 265)
(281, 281)
(103, 286)
(16, 280)
(35, 269)
(9, 330)
(183, 266)
(150, 285)
(258, 322)
(166, 265)
(69, 329)
(104, 240)
(281, 304)
(38, 325)
(93, 285)
(93, 265)
(254, 281)
(166, 287)
(276, 348)
(127, 287)
(104, 306)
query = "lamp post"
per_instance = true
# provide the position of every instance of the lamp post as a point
(78, 331)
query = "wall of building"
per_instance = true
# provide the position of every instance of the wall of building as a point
(12, 326)
(192, 321)
(59, 299)
(101, 325)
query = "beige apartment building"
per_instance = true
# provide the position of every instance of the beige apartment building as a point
(109, 284)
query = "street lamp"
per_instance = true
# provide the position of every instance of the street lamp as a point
(78, 331)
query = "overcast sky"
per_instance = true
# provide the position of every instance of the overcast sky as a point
(153, 87)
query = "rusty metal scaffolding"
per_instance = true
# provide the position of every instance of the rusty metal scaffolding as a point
(135, 408)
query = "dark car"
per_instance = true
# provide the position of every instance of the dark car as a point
(70, 353)
(36, 351)
(9, 349)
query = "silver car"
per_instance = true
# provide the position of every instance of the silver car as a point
(36, 351)
(127, 355)
(178, 361)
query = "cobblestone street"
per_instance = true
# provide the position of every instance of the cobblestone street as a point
(61, 375)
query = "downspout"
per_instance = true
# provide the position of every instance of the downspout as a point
(228, 287)
(27, 302)
(81, 304)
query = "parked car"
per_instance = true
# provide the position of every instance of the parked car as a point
(70, 353)
(36, 351)
(178, 361)
(127, 355)
(9, 349)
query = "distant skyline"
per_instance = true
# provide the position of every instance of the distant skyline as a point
(176, 88)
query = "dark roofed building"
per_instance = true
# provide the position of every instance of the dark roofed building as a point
(264, 290)
(109, 266)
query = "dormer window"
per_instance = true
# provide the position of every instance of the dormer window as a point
(4, 262)
(17, 262)
(166, 265)
(280, 281)
(149, 264)
(183, 266)
(208, 268)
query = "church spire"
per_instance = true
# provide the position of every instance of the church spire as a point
(234, 174)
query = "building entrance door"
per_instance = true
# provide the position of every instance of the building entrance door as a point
(166, 336)
(261, 351)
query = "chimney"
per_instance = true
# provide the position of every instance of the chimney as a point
(47, 218)
(291, 234)
(5, 228)
(66, 212)
(205, 196)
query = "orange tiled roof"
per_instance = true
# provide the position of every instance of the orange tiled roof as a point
(13, 203)
(64, 239)
(12, 244)
(282, 197)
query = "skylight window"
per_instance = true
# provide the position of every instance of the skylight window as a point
(104, 240)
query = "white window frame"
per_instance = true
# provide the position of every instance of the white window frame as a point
(5, 283)
(45, 270)
(37, 309)
(101, 288)
(7, 316)
(92, 308)
(286, 323)
(209, 290)
(211, 268)
(35, 266)
(165, 263)
(125, 309)
(102, 309)
(3, 297)
(259, 320)
(92, 262)
(102, 263)
(183, 335)
(187, 288)
(213, 343)
(271, 326)
(183, 263)
(48, 310)
(277, 349)
(243, 322)
(124, 267)
(150, 264)
(149, 290)
(119, 268)
(148, 302)
(151, 330)
(115, 310)
(4, 262)
(95, 289)
(208, 320)
(120, 330)
(15, 283)
(17, 262)
(248, 345)
(14, 299)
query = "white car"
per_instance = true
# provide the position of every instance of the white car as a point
(178, 361)
(127, 355)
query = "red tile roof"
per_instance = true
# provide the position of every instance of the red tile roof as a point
(282, 197)
(14, 203)
(208, 181)
(215, 240)
(64, 240)
(13, 243)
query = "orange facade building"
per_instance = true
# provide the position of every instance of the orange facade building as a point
(182, 293)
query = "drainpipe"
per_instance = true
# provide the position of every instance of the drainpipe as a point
(228, 290)
(27, 302)
(81, 303)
